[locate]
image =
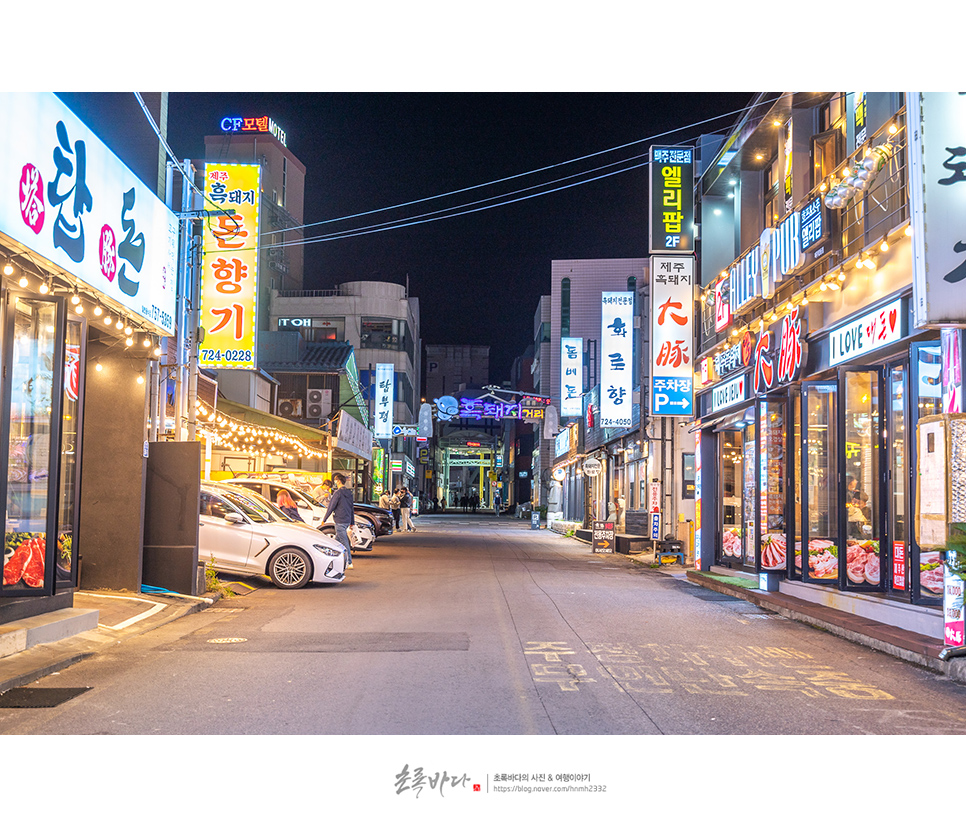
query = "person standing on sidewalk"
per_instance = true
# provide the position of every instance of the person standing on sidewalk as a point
(343, 514)
(394, 507)
(405, 510)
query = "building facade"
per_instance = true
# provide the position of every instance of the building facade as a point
(812, 368)
(380, 321)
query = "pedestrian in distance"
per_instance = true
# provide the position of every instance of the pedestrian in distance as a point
(394, 508)
(287, 505)
(343, 514)
(405, 511)
(384, 500)
(497, 504)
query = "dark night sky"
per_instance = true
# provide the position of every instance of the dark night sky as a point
(478, 277)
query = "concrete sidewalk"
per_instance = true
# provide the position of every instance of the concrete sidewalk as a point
(35, 647)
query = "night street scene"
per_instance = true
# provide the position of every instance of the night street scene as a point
(483, 455)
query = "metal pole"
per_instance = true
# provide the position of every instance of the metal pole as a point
(194, 326)
(153, 374)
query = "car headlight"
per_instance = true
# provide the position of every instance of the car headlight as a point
(331, 552)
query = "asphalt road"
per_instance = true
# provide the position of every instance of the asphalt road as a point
(478, 626)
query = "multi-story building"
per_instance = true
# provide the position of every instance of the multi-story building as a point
(450, 366)
(575, 313)
(380, 321)
(815, 357)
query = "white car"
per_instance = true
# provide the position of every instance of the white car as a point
(362, 534)
(241, 535)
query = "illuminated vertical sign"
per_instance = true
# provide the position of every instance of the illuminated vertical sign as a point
(672, 200)
(383, 400)
(571, 376)
(617, 358)
(697, 501)
(787, 178)
(229, 272)
(672, 306)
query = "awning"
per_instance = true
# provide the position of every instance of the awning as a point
(728, 420)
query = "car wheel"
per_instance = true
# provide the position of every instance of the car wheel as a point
(290, 568)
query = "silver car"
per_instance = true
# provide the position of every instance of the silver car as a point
(243, 534)
(362, 534)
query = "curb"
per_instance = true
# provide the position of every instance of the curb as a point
(44, 659)
(955, 669)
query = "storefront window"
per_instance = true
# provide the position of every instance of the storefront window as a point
(69, 455)
(862, 472)
(31, 405)
(821, 498)
(795, 462)
(732, 478)
(772, 477)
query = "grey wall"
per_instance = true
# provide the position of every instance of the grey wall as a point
(112, 478)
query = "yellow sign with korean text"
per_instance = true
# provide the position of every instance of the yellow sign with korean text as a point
(229, 276)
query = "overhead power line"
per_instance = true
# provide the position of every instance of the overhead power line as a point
(494, 201)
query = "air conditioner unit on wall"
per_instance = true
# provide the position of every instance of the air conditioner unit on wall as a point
(318, 403)
(289, 408)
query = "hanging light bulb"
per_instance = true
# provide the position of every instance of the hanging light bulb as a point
(147, 341)
(79, 309)
(108, 319)
(129, 341)
(128, 330)
(119, 325)
(98, 311)
(8, 268)
(75, 299)
(23, 281)
(44, 287)
(98, 367)
(140, 379)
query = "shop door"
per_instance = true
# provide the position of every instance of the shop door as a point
(897, 479)
(772, 483)
(731, 457)
(862, 467)
(925, 399)
(819, 561)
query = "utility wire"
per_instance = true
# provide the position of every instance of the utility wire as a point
(534, 171)
(473, 206)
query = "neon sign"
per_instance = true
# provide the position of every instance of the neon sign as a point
(257, 124)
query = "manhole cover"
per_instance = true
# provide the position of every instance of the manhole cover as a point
(25, 698)
(228, 640)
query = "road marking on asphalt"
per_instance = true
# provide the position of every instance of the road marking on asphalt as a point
(667, 669)
(228, 640)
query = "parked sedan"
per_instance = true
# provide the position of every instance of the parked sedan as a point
(312, 512)
(241, 534)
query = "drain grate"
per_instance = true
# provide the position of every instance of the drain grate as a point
(23, 697)
(228, 640)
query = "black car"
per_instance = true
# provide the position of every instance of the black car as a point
(381, 519)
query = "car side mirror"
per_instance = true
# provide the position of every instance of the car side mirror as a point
(302, 505)
(235, 518)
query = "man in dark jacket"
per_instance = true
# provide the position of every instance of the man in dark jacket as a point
(343, 513)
